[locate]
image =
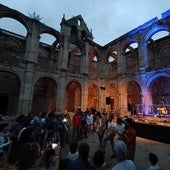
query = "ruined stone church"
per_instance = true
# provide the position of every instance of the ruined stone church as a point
(77, 72)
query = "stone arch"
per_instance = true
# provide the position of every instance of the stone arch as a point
(56, 34)
(114, 96)
(10, 85)
(160, 93)
(112, 53)
(155, 30)
(44, 95)
(134, 95)
(73, 96)
(92, 55)
(130, 54)
(93, 63)
(93, 96)
(154, 77)
(9, 13)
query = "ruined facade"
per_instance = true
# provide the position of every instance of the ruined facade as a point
(75, 71)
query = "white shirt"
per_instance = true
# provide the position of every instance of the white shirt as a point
(72, 156)
(89, 119)
(121, 128)
(154, 167)
(124, 165)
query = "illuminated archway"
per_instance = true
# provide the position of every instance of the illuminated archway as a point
(134, 95)
(93, 97)
(160, 89)
(73, 96)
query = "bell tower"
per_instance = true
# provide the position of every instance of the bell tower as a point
(76, 29)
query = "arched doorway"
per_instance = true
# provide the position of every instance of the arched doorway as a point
(114, 98)
(160, 89)
(73, 96)
(9, 93)
(44, 97)
(93, 97)
(134, 96)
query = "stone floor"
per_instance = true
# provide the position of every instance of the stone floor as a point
(144, 146)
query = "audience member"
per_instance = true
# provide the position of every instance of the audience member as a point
(110, 133)
(153, 159)
(30, 157)
(98, 160)
(82, 162)
(120, 128)
(120, 150)
(130, 138)
(73, 153)
(101, 126)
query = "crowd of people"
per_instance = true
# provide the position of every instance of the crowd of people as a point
(28, 142)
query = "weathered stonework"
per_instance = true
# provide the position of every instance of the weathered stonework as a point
(75, 71)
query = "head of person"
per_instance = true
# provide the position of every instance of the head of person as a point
(83, 151)
(120, 149)
(28, 156)
(110, 117)
(98, 158)
(73, 147)
(129, 122)
(119, 120)
(153, 158)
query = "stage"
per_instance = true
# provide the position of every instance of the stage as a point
(153, 127)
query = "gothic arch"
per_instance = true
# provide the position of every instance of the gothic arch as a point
(114, 97)
(10, 85)
(154, 77)
(134, 94)
(73, 96)
(155, 30)
(44, 96)
(160, 93)
(52, 32)
(93, 96)
(9, 13)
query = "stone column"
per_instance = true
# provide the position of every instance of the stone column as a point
(65, 53)
(85, 60)
(61, 92)
(32, 42)
(84, 96)
(27, 91)
(143, 58)
(31, 57)
(121, 63)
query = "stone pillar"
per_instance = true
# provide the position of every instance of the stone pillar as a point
(121, 63)
(85, 60)
(32, 42)
(27, 91)
(123, 100)
(61, 92)
(65, 53)
(31, 57)
(147, 101)
(143, 58)
(84, 96)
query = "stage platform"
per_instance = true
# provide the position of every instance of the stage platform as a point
(153, 127)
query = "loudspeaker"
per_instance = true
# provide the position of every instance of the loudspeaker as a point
(108, 100)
